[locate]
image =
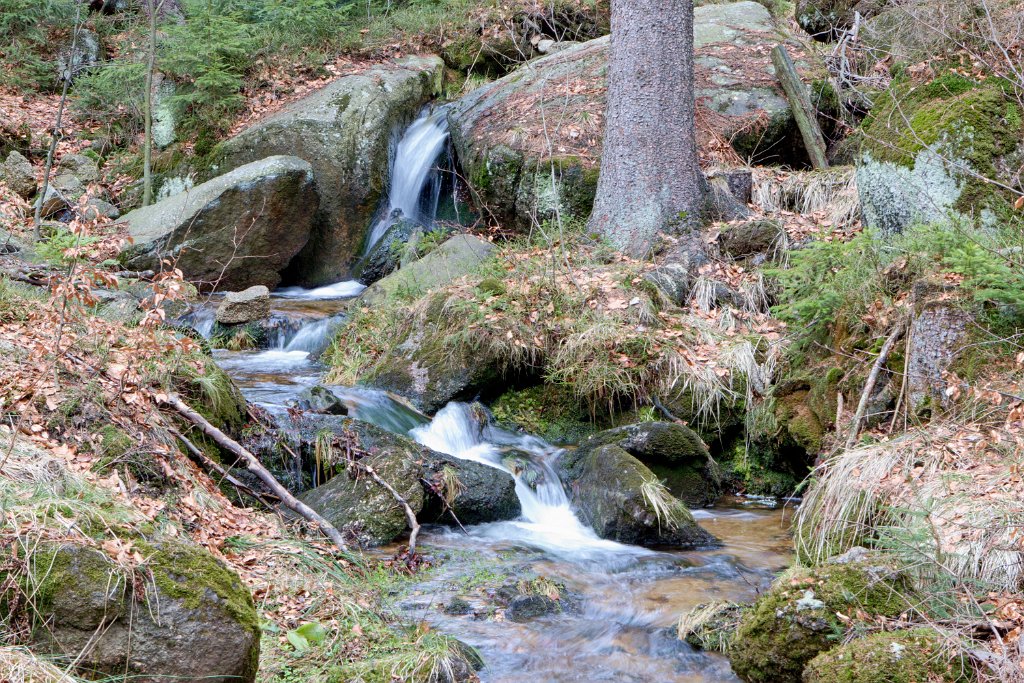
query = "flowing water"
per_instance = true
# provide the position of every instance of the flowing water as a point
(415, 183)
(621, 601)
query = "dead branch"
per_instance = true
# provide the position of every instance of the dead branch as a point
(205, 461)
(253, 464)
(869, 386)
(409, 514)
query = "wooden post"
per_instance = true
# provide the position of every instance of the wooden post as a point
(800, 102)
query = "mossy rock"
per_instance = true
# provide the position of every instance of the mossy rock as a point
(936, 152)
(198, 620)
(621, 499)
(549, 411)
(434, 484)
(909, 656)
(674, 453)
(711, 626)
(796, 619)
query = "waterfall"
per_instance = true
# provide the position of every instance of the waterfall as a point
(548, 518)
(413, 167)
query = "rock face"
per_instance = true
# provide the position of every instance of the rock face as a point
(519, 177)
(239, 229)
(366, 511)
(796, 619)
(937, 333)
(198, 621)
(458, 256)
(344, 131)
(19, 175)
(618, 496)
(674, 453)
(387, 254)
(926, 151)
(246, 306)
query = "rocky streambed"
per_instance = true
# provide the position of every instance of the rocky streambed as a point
(538, 594)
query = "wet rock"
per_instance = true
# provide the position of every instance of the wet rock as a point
(197, 620)
(344, 130)
(81, 166)
(529, 607)
(621, 500)
(320, 399)
(456, 257)
(908, 656)
(457, 607)
(674, 453)
(249, 305)
(796, 619)
(387, 254)
(239, 229)
(367, 512)
(19, 175)
(521, 182)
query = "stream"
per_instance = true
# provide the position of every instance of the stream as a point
(621, 603)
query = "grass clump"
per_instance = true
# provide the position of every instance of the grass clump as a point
(568, 312)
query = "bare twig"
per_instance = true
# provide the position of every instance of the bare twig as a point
(409, 514)
(253, 464)
(869, 386)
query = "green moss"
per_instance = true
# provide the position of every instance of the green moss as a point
(797, 618)
(969, 122)
(908, 656)
(63, 571)
(550, 411)
(197, 578)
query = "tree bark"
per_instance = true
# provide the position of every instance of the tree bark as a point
(650, 180)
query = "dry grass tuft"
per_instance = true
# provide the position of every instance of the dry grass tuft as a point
(830, 193)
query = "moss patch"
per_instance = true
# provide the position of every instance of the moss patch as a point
(899, 657)
(797, 619)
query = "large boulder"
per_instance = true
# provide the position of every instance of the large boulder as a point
(235, 231)
(456, 257)
(623, 500)
(799, 617)
(433, 484)
(196, 622)
(940, 152)
(674, 453)
(524, 167)
(345, 131)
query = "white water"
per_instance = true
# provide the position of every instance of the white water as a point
(415, 156)
(548, 521)
(339, 290)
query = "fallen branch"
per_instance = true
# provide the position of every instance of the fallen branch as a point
(869, 386)
(205, 461)
(253, 464)
(409, 514)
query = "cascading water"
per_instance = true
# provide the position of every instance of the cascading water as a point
(414, 168)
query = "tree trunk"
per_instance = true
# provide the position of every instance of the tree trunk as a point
(147, 137)
(650, 180)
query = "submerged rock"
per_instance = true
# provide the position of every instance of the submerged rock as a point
(344, 130)
(320, 399)
(529, 607)
(237, 230)
(249, 305)
(197, 621)
(796, 619)
(623, 500)
(434, 484)
(542, 174)
(674, 453)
